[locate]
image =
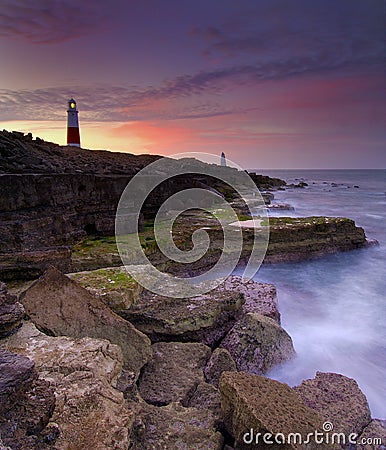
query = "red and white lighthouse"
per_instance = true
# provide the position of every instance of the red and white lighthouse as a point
(73, 137)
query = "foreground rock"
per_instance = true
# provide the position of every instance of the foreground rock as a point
(89, 412)
(207, 397)
(260, 298)
(373, 436)
(175, 427)
(338, 399)
(253, 404)
(59, 306)
(113, 285)
(257, 343)
(173, 373)
(11, 312)
(219, 362)
(26, 403)
(205, 318)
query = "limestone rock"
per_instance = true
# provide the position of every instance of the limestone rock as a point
(175, 427)
(205, 318)
(260, 298)
(338, 399)
(174, 372)
(59, 306)
(257, 343)
(220, 361)
(373, 436)
(11, 312)
(26, 403)
(253, 404)
(89, 411)
(113, 285)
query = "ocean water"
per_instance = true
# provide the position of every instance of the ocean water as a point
(334, 307)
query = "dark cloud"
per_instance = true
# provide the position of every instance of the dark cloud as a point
(49, 21)
(347, 32)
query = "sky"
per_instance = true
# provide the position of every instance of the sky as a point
(272, 83)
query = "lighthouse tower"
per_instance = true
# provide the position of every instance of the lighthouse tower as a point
(73, 137)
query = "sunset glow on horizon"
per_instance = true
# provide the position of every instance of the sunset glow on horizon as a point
(273, 84)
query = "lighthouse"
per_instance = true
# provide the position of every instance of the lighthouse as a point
(223, 159)
(73, 137)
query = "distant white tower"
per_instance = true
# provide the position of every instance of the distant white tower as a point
(223, 159)
(73, 137)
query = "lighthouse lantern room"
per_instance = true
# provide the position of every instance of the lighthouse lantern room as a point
(73, 137)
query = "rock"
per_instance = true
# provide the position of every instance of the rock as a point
(113, 285)
(260, 298)
(338, 399)
(220, 361)
(253, 404)
(175, 427)
(281, 207)
(257, 343)
(173, 373)
(30, 264)
(89, 411)
(299, 239)
(207, 397)
(26, 403)
(11, 312)
(373, 436)
(205, 318)
(59, 306)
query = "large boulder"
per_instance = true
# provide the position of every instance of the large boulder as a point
(89, 411)
(205, 318)
(254, 404)
(11, 312)
(175, 427)
(338, 399)
(113, 285)
(60, 307)
(257, 343)
(373, 436)
(260, 298)
(173, 373)
(26, 403)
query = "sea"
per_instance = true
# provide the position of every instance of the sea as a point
(334, 307)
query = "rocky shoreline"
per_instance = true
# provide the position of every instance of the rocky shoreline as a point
(89, 359)
(182, 373)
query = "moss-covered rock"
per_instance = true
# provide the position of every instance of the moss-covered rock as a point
(59, 306)
(257, 343)
(113, 285)
(205, 318)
